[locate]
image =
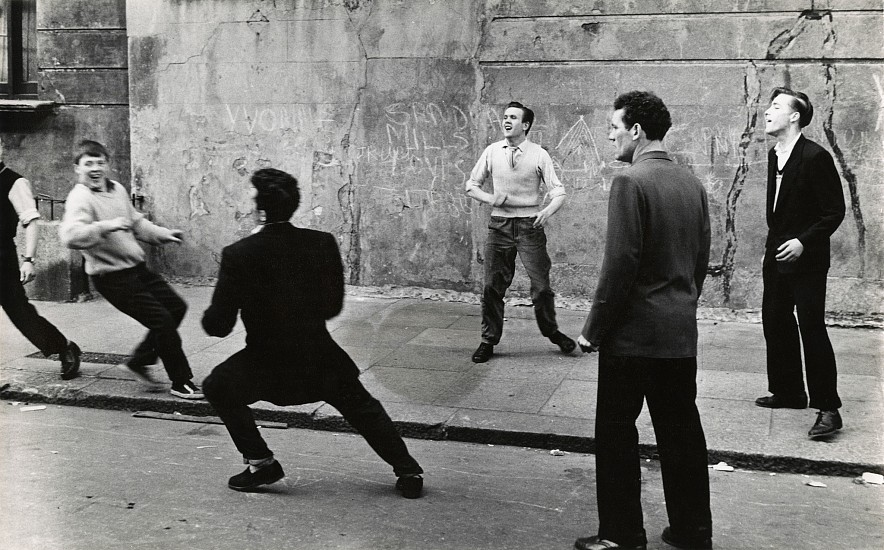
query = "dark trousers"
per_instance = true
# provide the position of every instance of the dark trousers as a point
(670, 387)
(805, 293)
(21, 312)
(249, 376)
(147, 298)
(506, 238)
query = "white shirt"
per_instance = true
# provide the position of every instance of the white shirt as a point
(22, 199)
(783, 154)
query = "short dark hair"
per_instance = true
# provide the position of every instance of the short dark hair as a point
(646, 110)
(527, 114)
(278, 195)
(89, 148)
(799, 102)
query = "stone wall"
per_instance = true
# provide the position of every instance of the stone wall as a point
(380, 108)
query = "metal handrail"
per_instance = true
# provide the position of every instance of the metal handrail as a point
(137, 202)
(51, 200)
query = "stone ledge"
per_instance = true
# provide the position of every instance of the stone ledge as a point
(35, 106)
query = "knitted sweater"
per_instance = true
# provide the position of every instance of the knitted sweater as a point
(523, 184)
(106, 251)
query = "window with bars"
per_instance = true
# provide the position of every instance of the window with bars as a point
(18, 49)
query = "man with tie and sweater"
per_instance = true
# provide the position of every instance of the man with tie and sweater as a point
(522, 174)
(805, 205)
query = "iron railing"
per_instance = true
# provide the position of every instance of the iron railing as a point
(137, 202)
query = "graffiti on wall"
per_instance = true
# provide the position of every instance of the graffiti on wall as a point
(251, 119)
(423, 150)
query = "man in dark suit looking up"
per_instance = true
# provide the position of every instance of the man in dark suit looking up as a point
(285, 282)
(805, 205)
(643, 322)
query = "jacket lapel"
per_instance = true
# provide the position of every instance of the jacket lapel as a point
(790, 172)
(771, 180)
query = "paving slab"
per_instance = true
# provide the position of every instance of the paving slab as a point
(414, 355)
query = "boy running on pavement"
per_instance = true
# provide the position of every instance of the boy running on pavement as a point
(100, 221)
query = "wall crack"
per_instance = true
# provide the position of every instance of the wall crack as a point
(849, 175)
(347, 199)
(752, 97)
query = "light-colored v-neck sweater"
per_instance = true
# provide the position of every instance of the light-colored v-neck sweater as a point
(82, 228)
(525, 185)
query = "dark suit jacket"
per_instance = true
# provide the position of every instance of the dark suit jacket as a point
(656, 256)
(810, 206)
(285, 282)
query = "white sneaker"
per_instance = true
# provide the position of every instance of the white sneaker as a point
(187, 390)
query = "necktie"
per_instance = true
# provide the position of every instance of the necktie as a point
(514, 156)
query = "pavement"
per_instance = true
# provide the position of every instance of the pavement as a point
(73, 478)
(415, 358)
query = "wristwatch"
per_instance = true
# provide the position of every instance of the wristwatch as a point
(28, 259)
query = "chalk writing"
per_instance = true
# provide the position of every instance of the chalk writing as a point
(270, 118)
(432, 202)
(577, 157)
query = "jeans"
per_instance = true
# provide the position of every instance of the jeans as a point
(147, 298)
(21, 312)
(506, 237)
(670, 387)
(248, 376)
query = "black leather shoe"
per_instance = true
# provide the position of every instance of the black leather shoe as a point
(797, 401)
(827, 423)
(483, 353)
(410, 486)
(248, 481)
(70, 361)
(594, 543)
(565, 344)
(699, 542)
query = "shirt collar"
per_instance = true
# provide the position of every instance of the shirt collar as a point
(106, 188)
(648, 155)
(786, 150)
(520, 146)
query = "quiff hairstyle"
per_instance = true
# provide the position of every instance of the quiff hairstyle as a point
(799, 102)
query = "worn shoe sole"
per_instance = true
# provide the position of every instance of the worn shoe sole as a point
(780, 403)
(594, 543)
(812, 435)
(188, 395)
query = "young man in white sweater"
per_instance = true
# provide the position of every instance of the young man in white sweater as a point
(100, 221)
(522, 174)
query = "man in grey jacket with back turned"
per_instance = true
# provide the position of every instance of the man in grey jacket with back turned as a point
(644, 324)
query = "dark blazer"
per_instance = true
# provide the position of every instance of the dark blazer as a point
(656, 255)
(810, 206)
(285, 282)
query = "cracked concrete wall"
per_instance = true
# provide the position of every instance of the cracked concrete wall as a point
(381, 107)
